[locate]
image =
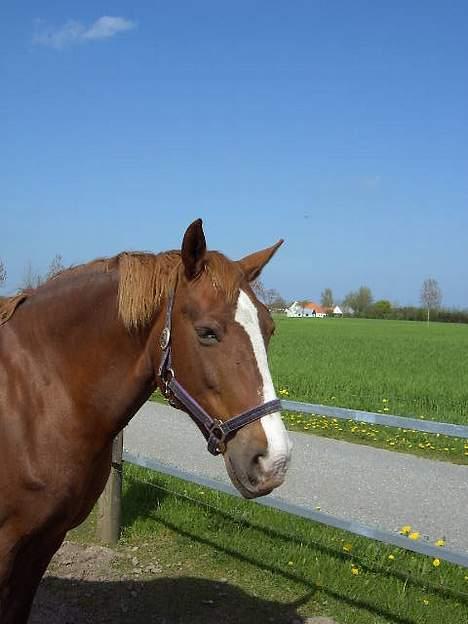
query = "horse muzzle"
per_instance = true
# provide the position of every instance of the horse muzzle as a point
(257, 475)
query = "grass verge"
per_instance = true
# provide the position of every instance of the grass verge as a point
(427, 445)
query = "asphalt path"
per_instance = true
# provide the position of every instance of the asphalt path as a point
(380, 488)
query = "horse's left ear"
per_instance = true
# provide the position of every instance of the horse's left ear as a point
(194, 249)
(252, 265)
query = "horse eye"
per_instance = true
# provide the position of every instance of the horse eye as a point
(207, 336)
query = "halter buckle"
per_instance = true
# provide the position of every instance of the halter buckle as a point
(216, 439)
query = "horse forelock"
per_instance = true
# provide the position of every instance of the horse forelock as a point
(146, 279)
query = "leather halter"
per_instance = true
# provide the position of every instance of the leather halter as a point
(215, 431)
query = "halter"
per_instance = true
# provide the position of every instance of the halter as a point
(214, 430)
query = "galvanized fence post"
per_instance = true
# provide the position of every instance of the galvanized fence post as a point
(109, 511)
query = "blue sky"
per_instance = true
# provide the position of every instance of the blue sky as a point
(338, 126)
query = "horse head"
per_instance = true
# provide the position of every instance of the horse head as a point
(220, 333)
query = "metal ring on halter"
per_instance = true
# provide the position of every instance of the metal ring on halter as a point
(166, 379)
(217, 437)
(164, 338)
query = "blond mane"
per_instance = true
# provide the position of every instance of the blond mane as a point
(145, 280)
(8, 306)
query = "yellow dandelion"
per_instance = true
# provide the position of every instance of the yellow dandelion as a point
(415, 535)
(391, 557)
(440, 542)
(386, 409)
(384, 400)
(405, 530)
(290, 563)
(354, 570)
(436, 563)
(347, 547)
(425, 601)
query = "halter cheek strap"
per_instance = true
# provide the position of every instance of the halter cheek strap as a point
(215, 431)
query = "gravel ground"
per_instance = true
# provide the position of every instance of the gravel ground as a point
(379, 488)
(84, 585)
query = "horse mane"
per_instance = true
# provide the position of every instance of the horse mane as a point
(145, 280)
(8, 306)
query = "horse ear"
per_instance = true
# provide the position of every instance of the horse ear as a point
(252, 265)
(194, 249)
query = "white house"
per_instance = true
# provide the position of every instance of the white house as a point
(309, 309)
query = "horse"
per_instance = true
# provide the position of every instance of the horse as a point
(82, 352)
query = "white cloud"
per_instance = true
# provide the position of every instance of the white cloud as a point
(74, 32)
(108, 26)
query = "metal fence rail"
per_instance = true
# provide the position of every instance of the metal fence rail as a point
(357, 528)
(402, 422)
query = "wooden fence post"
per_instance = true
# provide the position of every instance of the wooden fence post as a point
(109, 511)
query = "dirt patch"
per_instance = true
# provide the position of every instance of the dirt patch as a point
(94, 585)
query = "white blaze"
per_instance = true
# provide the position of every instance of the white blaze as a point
(279, 446)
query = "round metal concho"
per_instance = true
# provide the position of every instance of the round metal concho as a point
(164, 338)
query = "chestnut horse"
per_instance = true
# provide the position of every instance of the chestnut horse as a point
(80, 354)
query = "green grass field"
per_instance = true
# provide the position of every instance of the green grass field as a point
(403, 368)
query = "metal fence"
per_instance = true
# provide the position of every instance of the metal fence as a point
(386, 537)
(388, 420)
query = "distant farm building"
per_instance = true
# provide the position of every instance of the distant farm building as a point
(337, 311)
(311, 309)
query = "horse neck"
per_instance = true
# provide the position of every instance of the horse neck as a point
(105, 368)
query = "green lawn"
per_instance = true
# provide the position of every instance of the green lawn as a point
(403, 368)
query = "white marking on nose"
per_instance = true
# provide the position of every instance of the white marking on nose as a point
(279, 445)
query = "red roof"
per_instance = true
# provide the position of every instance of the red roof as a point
(314, 306)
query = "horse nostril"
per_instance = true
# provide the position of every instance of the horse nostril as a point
(258, 457)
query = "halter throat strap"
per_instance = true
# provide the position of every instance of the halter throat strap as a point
(214, 430)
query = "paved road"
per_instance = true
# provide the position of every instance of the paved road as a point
(373, 486)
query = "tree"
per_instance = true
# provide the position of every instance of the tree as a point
(326, 298)
(382, 308)
(431, 295)
(258, 288)
(31, 279)
(360, 301)
(270, 295)
(3, 273)
(274, 301)
(56, 266)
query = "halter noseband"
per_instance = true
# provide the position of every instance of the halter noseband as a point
(215, 431)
